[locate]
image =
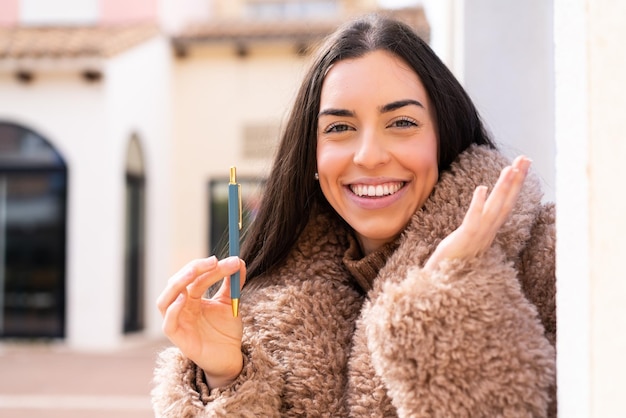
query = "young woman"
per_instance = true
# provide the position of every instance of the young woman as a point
(399, 264)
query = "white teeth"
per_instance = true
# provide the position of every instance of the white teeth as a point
(376, 191)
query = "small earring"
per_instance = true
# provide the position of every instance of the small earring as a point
(317, 176)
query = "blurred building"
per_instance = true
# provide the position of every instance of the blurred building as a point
(119, 120)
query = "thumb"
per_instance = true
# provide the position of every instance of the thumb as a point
(224, 290)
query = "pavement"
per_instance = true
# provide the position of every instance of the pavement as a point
(51, 381)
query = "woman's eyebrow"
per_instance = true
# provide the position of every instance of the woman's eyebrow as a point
(390, 107)
(336, 112)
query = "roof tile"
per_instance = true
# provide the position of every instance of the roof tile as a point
(71, 42)
(291, 30)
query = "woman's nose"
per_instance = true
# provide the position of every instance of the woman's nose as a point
(371, 151)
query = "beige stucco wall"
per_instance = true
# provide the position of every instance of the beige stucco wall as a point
(217, 93)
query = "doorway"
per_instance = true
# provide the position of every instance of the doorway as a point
(33, 196)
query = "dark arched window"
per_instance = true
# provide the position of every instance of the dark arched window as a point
(33, 192)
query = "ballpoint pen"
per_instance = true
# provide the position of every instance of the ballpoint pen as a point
(234, 225)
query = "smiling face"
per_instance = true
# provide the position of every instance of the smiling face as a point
(376, 145)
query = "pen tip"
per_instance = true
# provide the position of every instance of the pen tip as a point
(235, 306)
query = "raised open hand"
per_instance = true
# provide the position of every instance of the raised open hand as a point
(484, 217)
(204, 329)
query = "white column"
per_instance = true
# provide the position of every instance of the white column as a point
(572, 187)
(591, 226)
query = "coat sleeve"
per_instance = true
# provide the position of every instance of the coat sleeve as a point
(181, 391)
(538, 279)
(537, 270)
(463, 341)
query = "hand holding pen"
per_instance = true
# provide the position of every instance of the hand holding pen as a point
(207, 331)
(203, 329)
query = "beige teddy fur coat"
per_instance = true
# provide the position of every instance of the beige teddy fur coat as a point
(474, 339)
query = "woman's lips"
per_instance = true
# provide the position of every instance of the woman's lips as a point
(376, 190)
(376, 196)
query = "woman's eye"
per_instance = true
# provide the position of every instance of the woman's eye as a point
(404, 123)
(337, 127)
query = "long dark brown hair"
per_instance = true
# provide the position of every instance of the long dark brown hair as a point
(291, 189)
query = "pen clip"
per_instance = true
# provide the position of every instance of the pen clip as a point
(240, 206)
(233, 180)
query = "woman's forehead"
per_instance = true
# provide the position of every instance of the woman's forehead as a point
(375, 74)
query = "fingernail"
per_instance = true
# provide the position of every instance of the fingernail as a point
(527, 165)
(232, 261)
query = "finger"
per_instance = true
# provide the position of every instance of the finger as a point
(522, 163)
(179, 281)
(513, 192)
(224, 268)
(244, 273)
(495, 211)
(172, 313)
(519, 173)
(224, 290)
(474, 213)
(506, 191)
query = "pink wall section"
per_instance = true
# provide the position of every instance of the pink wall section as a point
(123, 11)
(9, 12)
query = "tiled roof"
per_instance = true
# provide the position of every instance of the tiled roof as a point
(224, 30)
(71, 42)
(288, 30)
(33, 43)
